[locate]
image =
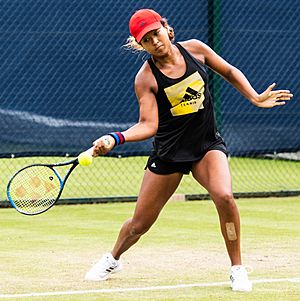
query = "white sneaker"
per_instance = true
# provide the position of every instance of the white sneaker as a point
(103, 268)
(239, 279)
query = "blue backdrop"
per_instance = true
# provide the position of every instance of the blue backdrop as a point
(65, 78)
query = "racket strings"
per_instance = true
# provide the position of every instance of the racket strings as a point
(34, 189)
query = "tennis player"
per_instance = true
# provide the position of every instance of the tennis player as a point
(177, 109)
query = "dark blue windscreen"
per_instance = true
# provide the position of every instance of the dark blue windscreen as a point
(65, 79)
(262, 39)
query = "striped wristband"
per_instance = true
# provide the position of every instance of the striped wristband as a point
(119, 138)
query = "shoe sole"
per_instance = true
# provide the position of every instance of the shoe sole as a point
(118, 269)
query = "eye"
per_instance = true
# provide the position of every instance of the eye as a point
(157, 32)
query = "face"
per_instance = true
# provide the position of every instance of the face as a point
(156, 42)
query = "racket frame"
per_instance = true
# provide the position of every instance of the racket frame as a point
(62, 182)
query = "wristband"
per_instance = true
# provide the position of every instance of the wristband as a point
(119, 138)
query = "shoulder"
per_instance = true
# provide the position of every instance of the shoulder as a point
(145, 80)
(197, 48)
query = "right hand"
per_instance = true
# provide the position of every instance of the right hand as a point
(103, 145)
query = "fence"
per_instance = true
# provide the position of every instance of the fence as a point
(66, 80)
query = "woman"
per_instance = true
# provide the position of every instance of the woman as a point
(176, 108)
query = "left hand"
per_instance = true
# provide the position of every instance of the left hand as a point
(270, 98)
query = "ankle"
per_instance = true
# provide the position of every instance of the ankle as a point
(115, 255)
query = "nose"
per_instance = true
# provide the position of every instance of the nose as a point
(154, 40)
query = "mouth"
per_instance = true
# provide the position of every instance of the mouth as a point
(158, 47)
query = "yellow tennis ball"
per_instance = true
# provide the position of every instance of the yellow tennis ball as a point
(85, 159)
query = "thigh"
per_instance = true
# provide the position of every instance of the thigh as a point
(155, 191)
(213, 173)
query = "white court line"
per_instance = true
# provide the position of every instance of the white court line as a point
(139, 289)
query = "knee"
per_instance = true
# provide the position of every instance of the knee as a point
(138, 227)
(225, 200)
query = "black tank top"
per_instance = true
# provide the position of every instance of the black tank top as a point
(187, 126)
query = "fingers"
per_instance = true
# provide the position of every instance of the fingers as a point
(286, 96)
(269, 91)
(279, 103)
(99, 149)
(279, 94)
(282, 92)
(282, 95)
(103, 145)
(270, 88)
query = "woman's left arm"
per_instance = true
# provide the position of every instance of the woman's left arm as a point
(268, 99)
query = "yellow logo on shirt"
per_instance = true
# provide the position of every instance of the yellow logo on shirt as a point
(187, 96)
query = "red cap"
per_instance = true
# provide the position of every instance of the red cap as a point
(143, 21)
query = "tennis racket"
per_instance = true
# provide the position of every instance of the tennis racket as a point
(35, 188)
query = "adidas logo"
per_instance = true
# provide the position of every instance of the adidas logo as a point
(191, 94)
(191, 98)
(153, 165)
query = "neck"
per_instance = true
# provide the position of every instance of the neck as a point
(169, 58)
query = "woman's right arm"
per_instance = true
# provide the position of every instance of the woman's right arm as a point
(145, 85)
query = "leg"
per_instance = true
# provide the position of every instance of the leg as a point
(213, 173)
(155, 192)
